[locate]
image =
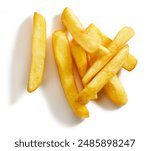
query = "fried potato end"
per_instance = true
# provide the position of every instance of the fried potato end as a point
(70, 21)
(131, 63)
(115, 91)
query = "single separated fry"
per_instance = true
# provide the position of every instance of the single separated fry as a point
(64, 63)
(108, 72)
(72, 23)
(38, 52)
(115, 91)
(119, 41)
(96, 33)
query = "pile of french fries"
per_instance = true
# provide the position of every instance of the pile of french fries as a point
(97, 58)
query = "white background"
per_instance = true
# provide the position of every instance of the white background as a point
(45, 114)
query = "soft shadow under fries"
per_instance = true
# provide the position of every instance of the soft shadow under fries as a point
(19, 67)
(56, 23)
(53, 91)
(105, 103)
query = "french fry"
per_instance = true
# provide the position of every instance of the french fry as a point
(122, 37)
(38, 52)
(90, 45)
(108, 72)
(72, 23)
(95, 68)
(130, 63)
(119, 41)
(80, 58)
(64, 63)
(115, 91)
(96, 33)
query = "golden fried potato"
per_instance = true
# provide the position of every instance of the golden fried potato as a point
(38, 52)
(64, 63)
(96, 67)
(93, 31)
(122, 37)
(130, 63)
(108, 72)
(115, 91)
(89, 44)
(80, 58)
(71, 22)
(118, 42)
(98, 35)
(114, 88)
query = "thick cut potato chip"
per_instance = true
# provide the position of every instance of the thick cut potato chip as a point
(130, 63)
(64, 63)
(80, 58)
(100, 80)
(38, 52)
(90, 45)
(115, 91)
(118, 42)
(72, 23)
(98, 35)
(96, 67)
(122, 37)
